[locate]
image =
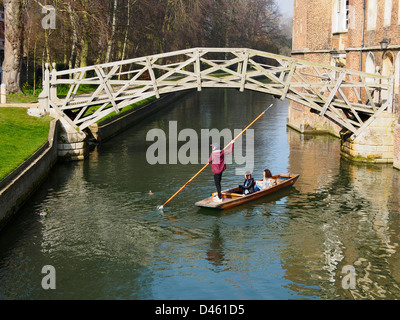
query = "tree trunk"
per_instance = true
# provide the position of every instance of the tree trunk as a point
(72, 59)
(111, 40)
(125, 37)
(84, 52)
(128, 24)
(13, 45)
(34, 69)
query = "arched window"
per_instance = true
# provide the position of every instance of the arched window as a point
(387, 70)
(387, 64)
(397, 73)
(370, 65)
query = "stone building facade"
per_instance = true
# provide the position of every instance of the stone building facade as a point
(349, 34)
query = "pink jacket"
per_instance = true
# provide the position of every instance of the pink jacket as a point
(217, 158)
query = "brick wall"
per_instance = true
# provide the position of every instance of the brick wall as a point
(314, 40)
(312, 31)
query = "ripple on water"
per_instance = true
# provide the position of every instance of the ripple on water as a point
(107, 240)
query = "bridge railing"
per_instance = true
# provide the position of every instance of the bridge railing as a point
(350, 98)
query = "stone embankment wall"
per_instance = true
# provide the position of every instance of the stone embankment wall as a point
(17, 187)
(65, 144)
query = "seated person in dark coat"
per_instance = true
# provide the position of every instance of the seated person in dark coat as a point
(248, 185)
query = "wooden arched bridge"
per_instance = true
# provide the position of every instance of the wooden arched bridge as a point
(352, 99)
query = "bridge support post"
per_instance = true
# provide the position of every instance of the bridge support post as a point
(44, 95)
(375, 144)
(72, 144)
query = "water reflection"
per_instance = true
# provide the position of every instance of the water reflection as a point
(345, 220)
(215, 254)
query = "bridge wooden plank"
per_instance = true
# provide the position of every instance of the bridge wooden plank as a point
(288, 80)
(244, 71)
(333, 93)
(152, 77)
(329, 114)
(177, 69)
(266, 72)
(197, 69)
(106, 86)
(62, 114)
(350, 106)
(217, 67)
(92, 120)
(81, 76)
(368, 122)
(130, 82)
(333, 114)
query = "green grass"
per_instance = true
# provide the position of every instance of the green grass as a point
(20, 136)
(62, 90)
(127, 108)
(21, 98)
(29, 97)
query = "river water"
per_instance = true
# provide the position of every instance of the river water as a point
(106, 239)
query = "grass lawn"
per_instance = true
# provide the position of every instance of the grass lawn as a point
(20, 136)
(127, 108)
(21, 98)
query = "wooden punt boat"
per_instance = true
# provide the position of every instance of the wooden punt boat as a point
(232, 197)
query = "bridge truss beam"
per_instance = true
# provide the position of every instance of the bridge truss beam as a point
(350, 98)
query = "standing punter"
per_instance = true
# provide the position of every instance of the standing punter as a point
(217, 160)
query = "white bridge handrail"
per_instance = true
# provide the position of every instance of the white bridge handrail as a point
(350, 98)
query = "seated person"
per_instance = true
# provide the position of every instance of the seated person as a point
(248, 185)
(266, 183)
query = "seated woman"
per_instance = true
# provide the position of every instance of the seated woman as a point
(248, 185)
(266, 183)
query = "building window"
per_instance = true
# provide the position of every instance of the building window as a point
(372, 14)
(340, 16)
(397, 72)
(370, 66)
(388, 13)
(347, 14)
(387, 69)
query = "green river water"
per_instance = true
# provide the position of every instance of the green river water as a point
(106, 239)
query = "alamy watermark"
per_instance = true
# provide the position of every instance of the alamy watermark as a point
(195, 149)
(49, 280)
(349, 280)
(49, 20)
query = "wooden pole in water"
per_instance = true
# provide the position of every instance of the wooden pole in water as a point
(205, 166)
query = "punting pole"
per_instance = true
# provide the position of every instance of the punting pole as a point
(205, 166)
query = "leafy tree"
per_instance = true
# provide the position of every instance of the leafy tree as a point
(97, 31)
